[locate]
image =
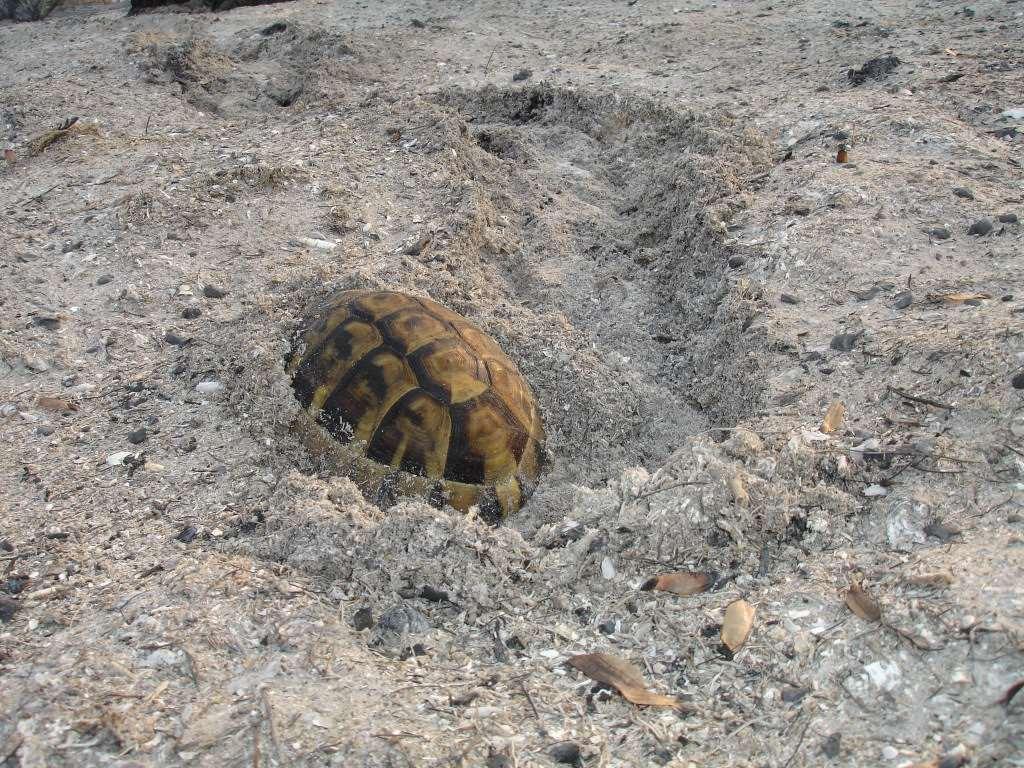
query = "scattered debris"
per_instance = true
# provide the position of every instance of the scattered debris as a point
(873, 69)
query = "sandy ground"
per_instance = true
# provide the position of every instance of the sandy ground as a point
(641, 202)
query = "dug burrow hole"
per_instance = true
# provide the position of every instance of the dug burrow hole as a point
(585, 234)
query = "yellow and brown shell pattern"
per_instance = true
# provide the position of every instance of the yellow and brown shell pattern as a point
(418, 389)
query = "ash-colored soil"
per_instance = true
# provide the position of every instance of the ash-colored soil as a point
(653, 224)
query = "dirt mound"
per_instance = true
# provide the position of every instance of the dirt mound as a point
(258, 70)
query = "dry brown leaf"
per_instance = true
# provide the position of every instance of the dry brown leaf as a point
(739, 490)
(957, 298)
(681, 582)
(621, 675)
(861, 603)
(55, 404)
(833, 417)
(739, 620)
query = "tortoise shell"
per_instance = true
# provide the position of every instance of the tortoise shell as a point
(428, 398)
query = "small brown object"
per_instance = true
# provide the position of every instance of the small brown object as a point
(957, 298)
(739, 620)
(9, 155)
(861, 603)
(843, 155)
(56, 404)
(683, 583)
(833, 417)
(621, 675)
(739, 491)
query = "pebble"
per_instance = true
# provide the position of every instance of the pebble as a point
(36, 364)
(980, 227)
(191, 313)
(362, 619)
(209, 387)
(1018, 381)
(902, 300)
(735, 262)
(8, 409)
(187, 534)
(104, 279)
(788, 298)
(71, 246)
(402, 619)
(565, 752)
(214, 292)
(963, 192)
(312, 242)
(844, 342)
(522, 74)
(607, 568)
(8, 608)
(940, 233)
(172, 338)
(1007, 218)
(830, 747)
(45, 430)
(792, 695)
(138, 436)
(890, 752)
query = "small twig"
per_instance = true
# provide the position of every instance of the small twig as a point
(256, 746)
(487, 66)
(529, 698)
(669, 488)
(799, 743)
(914, 398)
(269, 714)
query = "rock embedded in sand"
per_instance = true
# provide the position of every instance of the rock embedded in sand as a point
(980, 227)
(402, 619)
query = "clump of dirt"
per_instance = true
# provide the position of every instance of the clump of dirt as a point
(260, 69)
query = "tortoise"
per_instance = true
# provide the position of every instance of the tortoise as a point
(409, 397)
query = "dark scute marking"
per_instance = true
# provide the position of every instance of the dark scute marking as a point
(335, 417)
(427, 381)
(463, 465)
(385, 441)
(315, 369)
